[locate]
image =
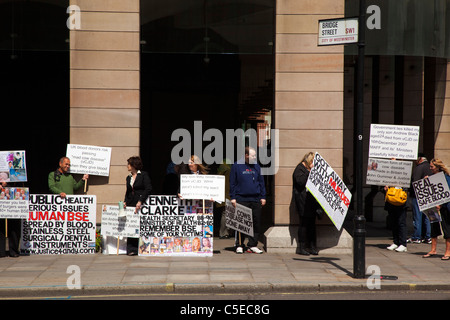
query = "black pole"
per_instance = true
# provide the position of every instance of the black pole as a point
(359, 236)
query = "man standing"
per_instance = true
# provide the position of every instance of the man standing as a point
(62, 182)
(247, 188)
(420, 220)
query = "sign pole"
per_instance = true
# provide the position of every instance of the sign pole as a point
(359, 236)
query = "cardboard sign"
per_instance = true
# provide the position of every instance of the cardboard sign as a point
(197, 186)
(89, 159)
(329, 190)
(239, 218)
(431, 191)
(394, 141)
(383, 172)
(58, 225)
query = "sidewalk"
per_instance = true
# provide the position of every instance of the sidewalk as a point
(225, 272)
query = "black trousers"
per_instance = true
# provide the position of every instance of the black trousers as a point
(397, 216)
(14, 233)
(307, 231)
(256, 215)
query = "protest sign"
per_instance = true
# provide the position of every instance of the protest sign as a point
(57, 225)
(171, 227)
(239, 218)
(14, 203)
(329, 190)
(89, 159)
(383, 172)
(113, 225)
(13, 166)
(197, 186)
(431, 191)
(394, 141)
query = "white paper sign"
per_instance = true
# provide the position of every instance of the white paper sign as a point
(431, 191)
(383, 172)
(394, 141)
(239, 218)
(14, 203)
(89, 159)
(329, 190)
(113, 225)
(197, 186)
(13, 166)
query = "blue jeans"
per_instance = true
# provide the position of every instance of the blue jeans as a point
(419, 220)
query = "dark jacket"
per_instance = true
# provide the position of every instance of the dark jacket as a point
(246, 182)
(305, 203)
(139, 191)
(420, 171)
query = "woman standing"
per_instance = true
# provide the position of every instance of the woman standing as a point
(436, 166)
(138, 189)
(306, 206)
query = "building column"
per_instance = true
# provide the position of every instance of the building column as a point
(309, 111)
(104, 88)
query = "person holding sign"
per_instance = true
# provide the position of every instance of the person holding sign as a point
(62, 182)
(436, 166)
(306, 206)
(9, 228)
(138, 189)
(247, 188)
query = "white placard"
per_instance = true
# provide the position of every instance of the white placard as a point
(13, 166)
(208, 187)
(239, 218)
(329, 190)
(338, 31)
(113, 225)
(89, 159)
(383, 172)
(432, 191)
(394, 141)
(14, 203)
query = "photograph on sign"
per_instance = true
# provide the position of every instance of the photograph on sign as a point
(13, 166)
(239, 218)
(383, 172)
(14, 202)
(329, 190)
(208, 187)
(431, 191)
(89, 159)
(394, 141)
(338, 31)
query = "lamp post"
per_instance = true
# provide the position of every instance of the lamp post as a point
(359, 236)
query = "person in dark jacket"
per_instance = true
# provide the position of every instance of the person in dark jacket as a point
(138, 189)
(247, 188)
(306, 206)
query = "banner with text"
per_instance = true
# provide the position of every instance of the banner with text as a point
(239, 218)
(89, 159)
(173, 227)
(431, 191)
(329, 190)
(58, 225)
(115, 225)
(394, 141)
(383, 172)
(13, 166)
(14, 203)
(197, 186)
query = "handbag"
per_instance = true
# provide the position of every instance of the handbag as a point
(396, 196)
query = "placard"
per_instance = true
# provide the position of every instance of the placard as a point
(197, 186)
(89, 159)
(239, 218)
(329, 190)
(171, 227)
(13, 166)
(14, 203)
(394, 141)
(432, 191)
(57, 225)
(383, 172)
(113, 225)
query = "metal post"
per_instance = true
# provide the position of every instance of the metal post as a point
(359, 236)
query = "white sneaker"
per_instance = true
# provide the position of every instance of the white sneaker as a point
(239, 250)
(401, 248)
(254, 250)
(392, 247)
